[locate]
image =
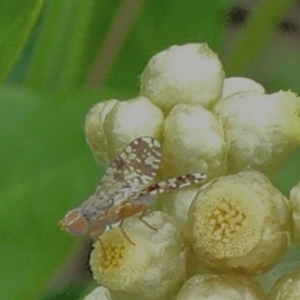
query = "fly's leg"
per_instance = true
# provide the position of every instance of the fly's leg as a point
(141, 218)
(125, 234)
(129, 210)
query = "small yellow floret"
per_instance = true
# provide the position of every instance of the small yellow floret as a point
(239, 223)
(121, 262)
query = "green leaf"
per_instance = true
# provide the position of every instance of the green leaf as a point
(16, 20)
(68, 40)
(46, 169)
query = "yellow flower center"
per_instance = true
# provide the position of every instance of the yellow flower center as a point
(112, 255)
(226, 220)
(115, 263)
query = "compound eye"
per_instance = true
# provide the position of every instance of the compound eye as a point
(75, 223)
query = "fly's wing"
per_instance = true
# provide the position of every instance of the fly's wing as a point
(134, 168)
(147, 195)
(128, 174)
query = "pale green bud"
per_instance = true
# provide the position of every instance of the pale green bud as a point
(286, 287)
(94, 131)
(289, 262)
(295, 200)
(177, 203)
(261, 129)
(129, 120)
(193, 142)
(99, 293)
(233, 85)
(191, 74)
(220, 287)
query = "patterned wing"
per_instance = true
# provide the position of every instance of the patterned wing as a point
(147, 195)
(133, 169)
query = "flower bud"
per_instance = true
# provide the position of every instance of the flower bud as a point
(152, 268)
(239, 223)
(100, 293)
(191, 74)
(129, 120)
(94, 131)
(295, 200)
(193, 142)
(233, 85)
(286, 287)
(177, 203)
(289, 262)
(262, 129)
(220, 287)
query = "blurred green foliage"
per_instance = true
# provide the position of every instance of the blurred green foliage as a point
(17, 19)
(46, 167)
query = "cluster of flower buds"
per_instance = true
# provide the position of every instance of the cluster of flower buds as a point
(210, 240)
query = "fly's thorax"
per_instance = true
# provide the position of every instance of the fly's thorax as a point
(95, 209)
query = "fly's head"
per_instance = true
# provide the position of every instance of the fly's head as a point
(74, 222)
